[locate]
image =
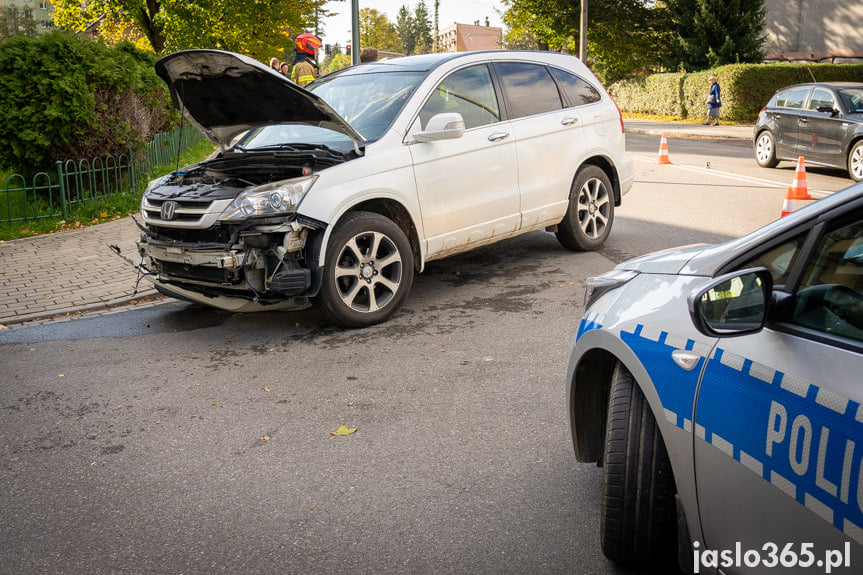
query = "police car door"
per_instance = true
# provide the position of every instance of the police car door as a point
(779, 418)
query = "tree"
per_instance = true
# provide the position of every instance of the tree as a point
(405, 30)
(423, 41)
(710, 33)
(623, 35)
(258, 29)
(377, 31)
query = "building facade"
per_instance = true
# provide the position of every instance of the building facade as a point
(466, 37)
(40, 11)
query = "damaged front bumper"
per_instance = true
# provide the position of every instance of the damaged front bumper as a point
(266, 267)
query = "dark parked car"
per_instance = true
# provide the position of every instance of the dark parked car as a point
(822, 122)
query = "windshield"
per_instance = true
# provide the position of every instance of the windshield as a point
(292, 136)
(368, 102)
(853, 99)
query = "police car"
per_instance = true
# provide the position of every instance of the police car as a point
(720, 388)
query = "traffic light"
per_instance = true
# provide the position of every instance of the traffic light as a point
(328, 49)
(348, 50)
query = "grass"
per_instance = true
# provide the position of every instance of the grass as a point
(85, 214)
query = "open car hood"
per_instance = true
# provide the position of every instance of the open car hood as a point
(224, 94)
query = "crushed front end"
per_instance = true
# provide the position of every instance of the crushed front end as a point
(225, 232)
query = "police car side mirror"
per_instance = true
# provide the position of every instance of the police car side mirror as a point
(733, 304)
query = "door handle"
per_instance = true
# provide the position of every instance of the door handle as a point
(497, 136)
(569, 121)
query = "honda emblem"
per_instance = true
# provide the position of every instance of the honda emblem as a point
(169, 209)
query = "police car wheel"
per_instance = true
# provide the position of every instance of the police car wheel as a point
(638, 518)
(590, 214)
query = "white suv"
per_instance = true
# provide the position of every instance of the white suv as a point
(340, 191)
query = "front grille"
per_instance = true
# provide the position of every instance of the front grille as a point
(200, 273)
(214, 235)
(186, 210)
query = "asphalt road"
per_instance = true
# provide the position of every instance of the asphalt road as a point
(174, 439)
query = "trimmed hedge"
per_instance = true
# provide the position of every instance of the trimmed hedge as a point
(64, 96)
(745, 88)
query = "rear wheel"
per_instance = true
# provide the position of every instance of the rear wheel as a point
(590, 214)
(368, 271)
(855, 162)
(638, 520)
(765, 150)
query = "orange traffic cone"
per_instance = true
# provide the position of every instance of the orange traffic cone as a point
(797, 190)
(663, 151)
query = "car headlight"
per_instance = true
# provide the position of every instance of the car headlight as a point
(596, 286)
(273, 199)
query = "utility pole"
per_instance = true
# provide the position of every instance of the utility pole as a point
(436, 30)
(582, 35)
(355, 31)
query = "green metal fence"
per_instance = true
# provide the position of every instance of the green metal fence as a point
(51, 195)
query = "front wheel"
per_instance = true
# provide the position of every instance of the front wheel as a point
(638, 516)
(855, 162)
(588, 218)
(368, 271)
(765, 150)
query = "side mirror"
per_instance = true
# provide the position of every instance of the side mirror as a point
(733, 304)
(827, 109)
(446, 126)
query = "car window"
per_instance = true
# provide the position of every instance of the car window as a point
(529, 89)
(579, 92)
(796, 97)
(830, 298)
(469, 92)
(820, 96)
(780, 98)
(853, 99)
(778, 260)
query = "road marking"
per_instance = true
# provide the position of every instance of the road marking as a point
(732, 176)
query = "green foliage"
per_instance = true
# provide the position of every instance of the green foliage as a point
(257, 29)
(377, 31)
(623, 35)
(745, 88)
(711, 33)
(64, 96)
(415, 30)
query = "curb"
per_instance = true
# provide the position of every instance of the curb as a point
(140, 297)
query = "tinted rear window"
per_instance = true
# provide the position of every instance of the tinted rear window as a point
(576, 90)
(529, 89)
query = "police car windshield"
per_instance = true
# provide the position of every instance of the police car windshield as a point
(368, 102)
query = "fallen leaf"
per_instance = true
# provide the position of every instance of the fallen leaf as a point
(267, 389)
(103, 214)
(48, 297)
(265, 438)
(62, 375)
(229, 336)
(343, 431)
(465, 362)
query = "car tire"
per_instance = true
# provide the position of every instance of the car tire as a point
(855, 161)
(368, 271)
(638, 520)
(590, 214)
(765, 150)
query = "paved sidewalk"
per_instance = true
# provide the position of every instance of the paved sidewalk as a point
(76, 271)
(69, 272)
(688, 130)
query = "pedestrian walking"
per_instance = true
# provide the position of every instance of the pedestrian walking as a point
(305, 59)
(714, 102)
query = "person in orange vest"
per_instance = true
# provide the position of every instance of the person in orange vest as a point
(305, 68)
